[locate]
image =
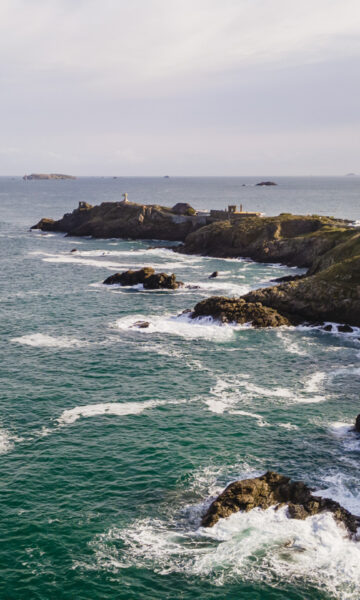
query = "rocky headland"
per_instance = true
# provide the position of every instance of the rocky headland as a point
(127, 220)
(272, 489)
(328, 248)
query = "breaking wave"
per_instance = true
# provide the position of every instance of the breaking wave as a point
(181, 325)
(106, 408)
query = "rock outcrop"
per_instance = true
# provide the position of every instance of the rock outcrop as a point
(238, 310)
(125, 220)
(273, 489)
(147, 277)
(332, 294)
(294, 240)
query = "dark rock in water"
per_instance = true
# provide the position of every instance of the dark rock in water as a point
(266, 183)
(192, 287)
(214, 274)
(345, 329)
(130, 277)
(159, 281)
(327, 328)
(73, 250)
(238, 310)
(141, 324)
(273, 489)
(357, 424)
(147, 277)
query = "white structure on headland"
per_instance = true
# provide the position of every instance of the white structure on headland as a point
(125, 196)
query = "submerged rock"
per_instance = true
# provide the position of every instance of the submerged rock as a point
(147, 277)
(345, 328)
(238, 310)
(214, 274)
(141, 324)
(273, 489)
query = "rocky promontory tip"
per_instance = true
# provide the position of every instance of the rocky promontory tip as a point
(128, 220)
(273, 489)
(238, 310)
(147, 277)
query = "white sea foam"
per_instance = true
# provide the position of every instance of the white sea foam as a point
(181, 325)
(289, 426)
(106, 408)
(343, 488)
(349, 437)
(290, 344)
(6, 442)
(256, 546)
(38, 340)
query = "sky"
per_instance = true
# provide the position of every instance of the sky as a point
(180, 87)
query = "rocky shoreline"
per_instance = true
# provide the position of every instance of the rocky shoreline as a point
(327, 247)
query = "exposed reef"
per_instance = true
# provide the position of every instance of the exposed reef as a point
(272, 489)
(147, 277)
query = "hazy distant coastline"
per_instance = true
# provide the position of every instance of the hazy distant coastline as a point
(48, 176)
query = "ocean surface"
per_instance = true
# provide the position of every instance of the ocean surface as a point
(114, 439)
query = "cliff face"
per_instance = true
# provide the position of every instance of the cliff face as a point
(290, 239)
(332, 294)
(125, 219)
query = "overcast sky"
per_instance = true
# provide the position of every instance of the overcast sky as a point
(180, 87)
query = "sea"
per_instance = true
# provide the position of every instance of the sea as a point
(115, 439)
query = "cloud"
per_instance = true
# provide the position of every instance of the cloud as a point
(151, 70)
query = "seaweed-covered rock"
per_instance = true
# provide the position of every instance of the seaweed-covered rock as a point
(273, 489)
(238, 310)
(147, 277)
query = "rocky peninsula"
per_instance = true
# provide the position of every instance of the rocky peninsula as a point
(328, 248)
(127, 220)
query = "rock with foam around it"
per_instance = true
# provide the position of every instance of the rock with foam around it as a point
(273, 489)
(238, 310)
(147, 277)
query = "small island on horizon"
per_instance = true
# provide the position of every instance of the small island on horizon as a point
(47, 176)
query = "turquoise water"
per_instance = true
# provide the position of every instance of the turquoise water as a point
(114, 439)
